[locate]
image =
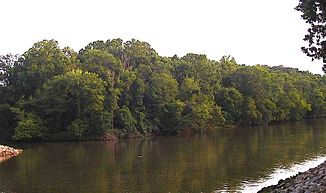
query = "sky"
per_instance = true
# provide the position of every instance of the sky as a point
(266, 32)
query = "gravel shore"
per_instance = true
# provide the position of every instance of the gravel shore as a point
(311, 181)
(8, 152)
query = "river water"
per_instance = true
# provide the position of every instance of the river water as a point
(238, 159)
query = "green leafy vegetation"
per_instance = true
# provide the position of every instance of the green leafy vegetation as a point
(127, 88)
(314, 13)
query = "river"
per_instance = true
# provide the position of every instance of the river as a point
(237, 159)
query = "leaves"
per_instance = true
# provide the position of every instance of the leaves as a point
(30, 127)
(314, 13)
(126, 87)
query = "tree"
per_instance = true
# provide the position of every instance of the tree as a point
(127, 88)
(8, 121)
(75, 99)
(40, 63)
(314, 12)
(160, 99)
(231, 100)
(30, 127)
(124, 120)
(250, 114)
(6, 63)
(137, 52)
(101, 62)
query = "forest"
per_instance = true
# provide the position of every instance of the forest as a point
(126, 89)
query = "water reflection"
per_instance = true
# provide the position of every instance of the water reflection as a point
(223, 160)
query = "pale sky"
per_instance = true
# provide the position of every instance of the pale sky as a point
(253, 31)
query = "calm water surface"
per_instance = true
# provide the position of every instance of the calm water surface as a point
(232, 159)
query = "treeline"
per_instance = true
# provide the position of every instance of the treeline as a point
(127, 88)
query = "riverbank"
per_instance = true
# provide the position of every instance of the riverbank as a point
(8, 152)
(313, 180)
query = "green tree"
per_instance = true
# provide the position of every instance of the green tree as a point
(30, 127)
(137, 52)
(314, 13)
(250, 114)
(125, 121)
(160, 94)
(101, 62)
(127, 88)
(40, 63)
(231, 101)
(70, 100)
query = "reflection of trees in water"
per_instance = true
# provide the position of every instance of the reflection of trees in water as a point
(168, 164)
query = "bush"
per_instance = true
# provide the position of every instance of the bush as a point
(30, 127)
(78, 127)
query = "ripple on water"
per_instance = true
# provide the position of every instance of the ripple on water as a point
(5, 186)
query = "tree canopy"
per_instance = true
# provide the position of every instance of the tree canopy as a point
(128, 89)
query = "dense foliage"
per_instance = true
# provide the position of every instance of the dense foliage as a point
(314, 13)
(126, 88)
